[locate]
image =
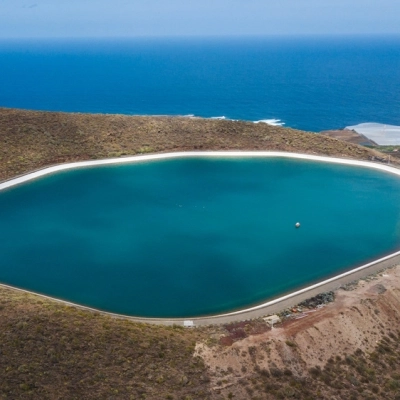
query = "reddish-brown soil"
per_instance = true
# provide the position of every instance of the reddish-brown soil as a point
(356, 321)
(349, 136)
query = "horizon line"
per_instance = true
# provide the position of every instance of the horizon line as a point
(205, 36)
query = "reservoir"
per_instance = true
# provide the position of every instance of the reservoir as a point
(194, 236)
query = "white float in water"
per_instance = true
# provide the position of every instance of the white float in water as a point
(297, 225)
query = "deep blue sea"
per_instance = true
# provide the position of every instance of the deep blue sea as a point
(310, 83)
(194, 236)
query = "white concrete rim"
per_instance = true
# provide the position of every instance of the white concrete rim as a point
(82, 164)
(189, 154)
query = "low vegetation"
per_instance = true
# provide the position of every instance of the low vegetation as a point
(31, 139)
(357, 376)
(52, 351)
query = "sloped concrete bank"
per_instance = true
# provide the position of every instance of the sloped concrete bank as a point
(270, 307)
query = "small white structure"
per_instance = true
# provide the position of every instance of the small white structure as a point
(271, 320)
(188, 324)
(297, 225)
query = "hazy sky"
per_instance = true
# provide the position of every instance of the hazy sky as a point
(58, 18)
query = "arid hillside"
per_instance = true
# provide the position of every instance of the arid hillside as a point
(31, 139)
(341, 349)
(347, 348)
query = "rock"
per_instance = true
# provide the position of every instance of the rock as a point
(322, 298)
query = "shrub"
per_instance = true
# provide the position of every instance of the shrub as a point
(287, 372)
(276, 372)
(315, 371)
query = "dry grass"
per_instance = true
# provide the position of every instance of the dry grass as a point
(30, 140)
(50, 351)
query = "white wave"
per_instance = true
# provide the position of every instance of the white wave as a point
(272, 121)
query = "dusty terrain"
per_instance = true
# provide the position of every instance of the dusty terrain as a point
(30, 139)
(353, 137)
(347, 349)
(349, 136)
(356, 322)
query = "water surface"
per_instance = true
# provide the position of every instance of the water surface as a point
(195, 236)
(310, 83)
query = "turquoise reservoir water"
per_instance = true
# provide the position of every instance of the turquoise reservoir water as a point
(193, 236)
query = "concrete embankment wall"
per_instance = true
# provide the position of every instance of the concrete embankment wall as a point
(290, 300)
(267, 308)
(271, 307)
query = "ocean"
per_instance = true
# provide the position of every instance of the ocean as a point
(309, 83)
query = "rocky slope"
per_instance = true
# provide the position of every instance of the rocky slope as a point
(336, 349)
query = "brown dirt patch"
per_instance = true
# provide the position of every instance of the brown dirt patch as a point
(357, 321)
